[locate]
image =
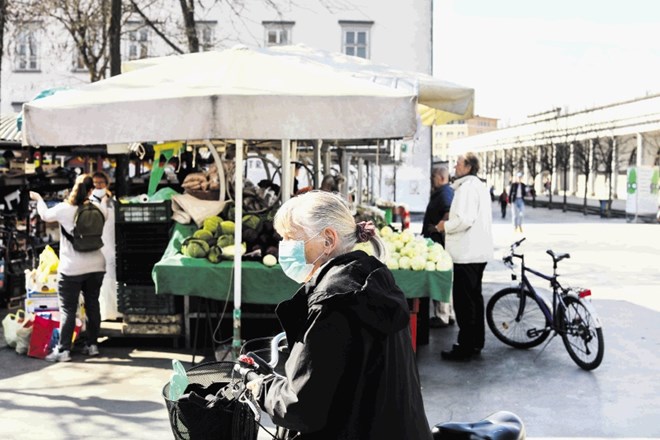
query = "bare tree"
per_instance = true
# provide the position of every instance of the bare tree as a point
(532, 161)
(546, 165)
(86, 21)
(582, 157)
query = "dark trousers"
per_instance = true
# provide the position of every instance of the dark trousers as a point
(69, 293)
(469, 305)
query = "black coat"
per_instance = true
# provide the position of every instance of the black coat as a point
(438, 206)
(513, 191)
(351, 372)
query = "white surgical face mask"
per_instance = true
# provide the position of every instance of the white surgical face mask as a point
(292, 259)
(98, 193)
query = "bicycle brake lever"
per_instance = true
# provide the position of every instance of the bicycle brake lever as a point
(252, 404)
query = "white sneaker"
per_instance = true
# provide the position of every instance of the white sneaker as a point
(59, 356)
(91, 350)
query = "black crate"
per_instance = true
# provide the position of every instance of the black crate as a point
(135, 267)
(142, 300)
(130, 237)
(143, 212)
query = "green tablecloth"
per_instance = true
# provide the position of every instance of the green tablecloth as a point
(179, 275)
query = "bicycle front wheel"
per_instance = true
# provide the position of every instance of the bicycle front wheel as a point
(582, 339)
(516, 318)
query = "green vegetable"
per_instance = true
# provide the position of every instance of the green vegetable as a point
(225, 240)
(194, 247)
(229, 251)
(212, 224)
(215, 253)
(204, 234)
(228, 227)
(251, 221)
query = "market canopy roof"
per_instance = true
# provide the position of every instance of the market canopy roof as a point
(439, 101)
(238, 93)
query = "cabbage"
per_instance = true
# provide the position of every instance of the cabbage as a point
(269, 260)
(229, 251)
(212, 224)
(430, 266)
(418, 263)
(215, 253)
(225, 240)
(228, 227)
(404, 263)
(393, 264)
(194, 247)
(204, 234)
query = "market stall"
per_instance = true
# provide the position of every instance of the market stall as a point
(232, 95)
(260, 284)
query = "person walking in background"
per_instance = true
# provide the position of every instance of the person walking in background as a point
(504, 201)
(517, 195)
(436, 210)
(469, 240)
(77, 271)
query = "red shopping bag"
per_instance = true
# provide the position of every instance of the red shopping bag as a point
(46, 334)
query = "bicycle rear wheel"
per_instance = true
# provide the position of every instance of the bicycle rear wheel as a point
(518, 328)
(582, 339)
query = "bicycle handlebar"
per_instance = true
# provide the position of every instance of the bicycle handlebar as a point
(251, 366)
(517, 243)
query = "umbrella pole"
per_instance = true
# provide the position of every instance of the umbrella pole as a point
(238, 238)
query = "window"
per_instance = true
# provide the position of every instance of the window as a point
(27, 51)
(278, 33)
(206, 35)
(355, 39)
(138, 42)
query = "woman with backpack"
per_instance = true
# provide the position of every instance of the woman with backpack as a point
(82, 264)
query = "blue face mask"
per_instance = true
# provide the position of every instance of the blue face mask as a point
(293, 262)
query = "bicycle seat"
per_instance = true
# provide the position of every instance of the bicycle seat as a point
(502, 425)
(557, 257)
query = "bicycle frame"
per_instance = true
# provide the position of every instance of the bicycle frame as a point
(556, 292)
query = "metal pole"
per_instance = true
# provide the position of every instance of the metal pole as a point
(238, 238)
(286, 170)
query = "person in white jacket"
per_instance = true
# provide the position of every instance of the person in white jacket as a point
(469, 241)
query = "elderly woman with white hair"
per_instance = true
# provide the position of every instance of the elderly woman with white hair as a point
(351, 372)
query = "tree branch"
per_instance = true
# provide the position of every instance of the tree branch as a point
(153, 26)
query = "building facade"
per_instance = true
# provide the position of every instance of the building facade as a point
(586, 152)
(41, 54)
(444, 134)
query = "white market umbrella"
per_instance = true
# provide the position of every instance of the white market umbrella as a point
(238, 93)
(235, 94)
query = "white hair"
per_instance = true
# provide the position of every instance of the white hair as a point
(314, 211)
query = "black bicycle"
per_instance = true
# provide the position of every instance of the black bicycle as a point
(218, 405)
(521, 318)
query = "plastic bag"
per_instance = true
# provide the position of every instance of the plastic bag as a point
(10, 324)
(45, 335)
(23, 335)
(48, 263)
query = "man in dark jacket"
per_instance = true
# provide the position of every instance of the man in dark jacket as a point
(351, 373)
(438, 209)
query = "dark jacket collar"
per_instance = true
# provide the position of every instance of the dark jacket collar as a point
(355, 282)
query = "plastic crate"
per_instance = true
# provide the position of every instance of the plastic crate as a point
(142, 237)
(142, 300)
(143, 212)
(136, 267)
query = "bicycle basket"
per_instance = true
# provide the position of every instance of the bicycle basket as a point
(229, 420)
